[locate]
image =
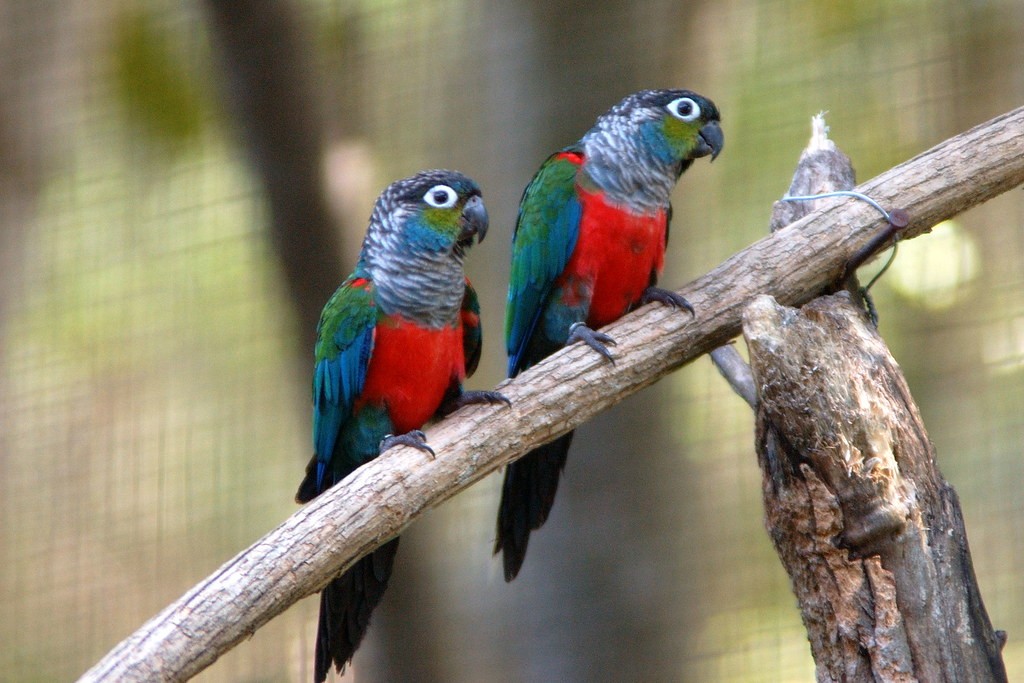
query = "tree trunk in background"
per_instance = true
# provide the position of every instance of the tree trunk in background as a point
(268, 80)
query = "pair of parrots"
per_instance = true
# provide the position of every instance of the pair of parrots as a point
(399, 336)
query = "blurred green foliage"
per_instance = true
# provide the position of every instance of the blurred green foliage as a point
(165, 99)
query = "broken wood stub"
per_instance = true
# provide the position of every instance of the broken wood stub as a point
(822, 167)
(870, 533)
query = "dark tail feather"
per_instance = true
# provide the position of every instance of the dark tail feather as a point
(345, 607)
(526, 499)
(308, 489)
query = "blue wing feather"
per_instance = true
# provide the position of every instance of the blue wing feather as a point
(543, 241)
(344, 345)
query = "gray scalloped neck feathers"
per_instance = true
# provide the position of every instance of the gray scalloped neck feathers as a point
(421, 285)
(618, 161)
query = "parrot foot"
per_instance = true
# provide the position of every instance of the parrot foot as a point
(469, 398)
(414, 439)
(667, 297)
(592, 338)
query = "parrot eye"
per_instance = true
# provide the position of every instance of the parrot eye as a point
(684, 108)
(441, 197)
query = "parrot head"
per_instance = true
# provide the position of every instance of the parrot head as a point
(677, 125)
(433, 212)
(644, 143)
(419, 233)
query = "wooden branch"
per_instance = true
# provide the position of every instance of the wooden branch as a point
(871, 535)
(383, 497)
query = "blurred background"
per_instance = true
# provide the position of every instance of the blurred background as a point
(182, 185)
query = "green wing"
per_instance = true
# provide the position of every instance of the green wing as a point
(544, 239)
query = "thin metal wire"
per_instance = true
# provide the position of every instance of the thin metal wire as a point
(839, 193)
(862, 197)
(881, 272)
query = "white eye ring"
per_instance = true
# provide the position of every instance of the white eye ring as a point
(441, 197)
(684, 109)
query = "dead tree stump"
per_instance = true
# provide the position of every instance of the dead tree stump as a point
(871, 534)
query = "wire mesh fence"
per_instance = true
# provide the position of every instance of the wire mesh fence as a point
(154, 387)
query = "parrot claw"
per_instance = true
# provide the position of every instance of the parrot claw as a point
(469, 398)
(592, 338)
(667, 297)
(414, 439)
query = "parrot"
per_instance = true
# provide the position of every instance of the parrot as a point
(394, 344)
(588, 246)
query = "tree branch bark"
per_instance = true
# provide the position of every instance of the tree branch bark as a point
(380, 499)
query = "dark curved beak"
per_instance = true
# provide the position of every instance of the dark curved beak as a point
(709, 141)
(474, 221)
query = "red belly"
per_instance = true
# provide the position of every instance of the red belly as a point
(616, 253)
(410, 370)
